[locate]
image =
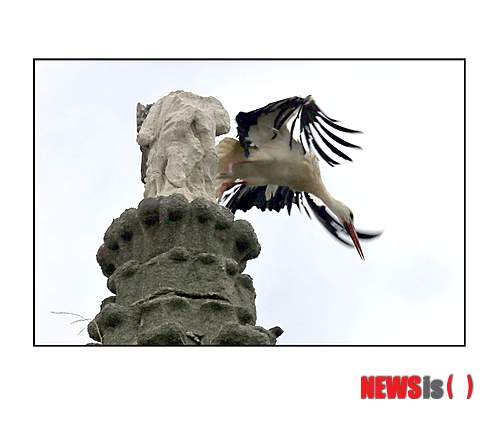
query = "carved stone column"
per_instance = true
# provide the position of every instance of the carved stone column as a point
(175, 263)
(176, 271)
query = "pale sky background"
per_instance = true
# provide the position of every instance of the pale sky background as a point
(408, 181)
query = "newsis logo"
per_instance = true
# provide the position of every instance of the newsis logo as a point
(412, 387)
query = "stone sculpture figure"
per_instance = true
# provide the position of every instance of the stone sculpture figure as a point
(178, 136)
(175, 263)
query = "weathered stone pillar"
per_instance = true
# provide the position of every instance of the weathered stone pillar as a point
(175, 269)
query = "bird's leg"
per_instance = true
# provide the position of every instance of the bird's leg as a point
(227, 185)
(223, 187)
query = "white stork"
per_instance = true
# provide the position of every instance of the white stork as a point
(269, 169)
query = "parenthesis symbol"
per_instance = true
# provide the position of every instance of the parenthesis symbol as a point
(448, 386)
(471, 386)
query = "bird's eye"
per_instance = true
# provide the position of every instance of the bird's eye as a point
(351, 215)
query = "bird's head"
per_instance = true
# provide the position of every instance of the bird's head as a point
(347, 218)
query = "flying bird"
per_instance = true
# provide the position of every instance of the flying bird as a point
(268, 168)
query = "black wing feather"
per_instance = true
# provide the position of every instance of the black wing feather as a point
(246, 197)
(246, 120)
(336, 126)
(334, 136)
(330, 146)
(333, 226)
(309, 115)
(310, 138)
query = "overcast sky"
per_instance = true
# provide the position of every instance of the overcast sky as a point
(407, 180)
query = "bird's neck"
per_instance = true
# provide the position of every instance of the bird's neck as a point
(336, 206)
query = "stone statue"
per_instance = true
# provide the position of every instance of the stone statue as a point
(177, 138)
(175, 263)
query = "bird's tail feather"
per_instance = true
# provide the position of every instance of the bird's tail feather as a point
(227, 147)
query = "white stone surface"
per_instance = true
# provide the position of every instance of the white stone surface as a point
(180, 131)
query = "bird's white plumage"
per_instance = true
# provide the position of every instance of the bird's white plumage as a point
(264, 131)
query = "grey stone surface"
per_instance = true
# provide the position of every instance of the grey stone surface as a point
(141, 114)
(175, 269)
(177, 139)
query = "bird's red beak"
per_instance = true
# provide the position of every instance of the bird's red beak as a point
(354, 236)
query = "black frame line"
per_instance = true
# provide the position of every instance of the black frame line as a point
(464, 60)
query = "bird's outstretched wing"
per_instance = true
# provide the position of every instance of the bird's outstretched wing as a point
(245, 197)
(315, 128)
